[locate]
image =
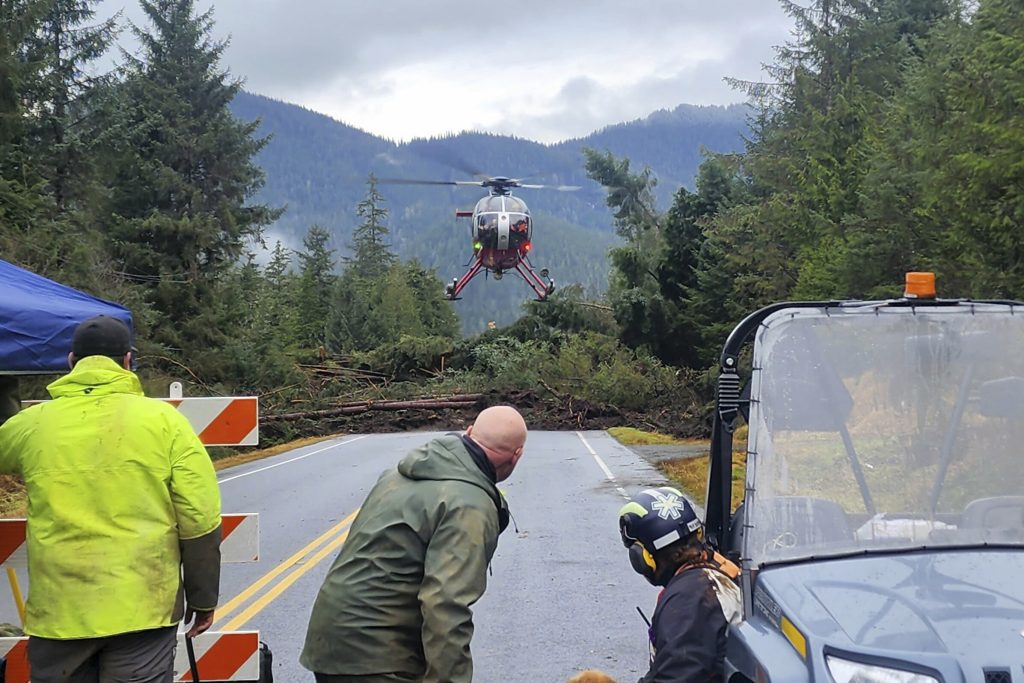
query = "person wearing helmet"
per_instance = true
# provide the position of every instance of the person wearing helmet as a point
(699, 598)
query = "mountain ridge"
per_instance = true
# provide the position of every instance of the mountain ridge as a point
(318, 166)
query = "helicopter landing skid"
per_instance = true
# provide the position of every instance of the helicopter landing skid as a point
(456, 286)
(541, 284)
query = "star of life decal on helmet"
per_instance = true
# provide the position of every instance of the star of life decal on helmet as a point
(667, 505)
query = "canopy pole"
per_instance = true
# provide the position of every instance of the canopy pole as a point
(19, 601)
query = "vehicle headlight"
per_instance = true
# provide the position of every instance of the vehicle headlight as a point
(845, 671)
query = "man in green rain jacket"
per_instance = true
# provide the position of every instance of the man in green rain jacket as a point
(395, 605)
(123, 519)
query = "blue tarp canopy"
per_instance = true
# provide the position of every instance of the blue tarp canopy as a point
(38, 318)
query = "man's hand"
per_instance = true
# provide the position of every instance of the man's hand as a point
(203, 621)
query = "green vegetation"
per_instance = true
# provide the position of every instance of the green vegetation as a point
(631, 436)
(691, 474)
(888, 139)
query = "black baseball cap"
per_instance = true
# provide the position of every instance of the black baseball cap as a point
(101, 335)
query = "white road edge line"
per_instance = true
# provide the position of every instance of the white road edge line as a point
(604, 467)
(304, 455)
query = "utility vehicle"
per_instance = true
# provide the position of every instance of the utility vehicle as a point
(881, 530)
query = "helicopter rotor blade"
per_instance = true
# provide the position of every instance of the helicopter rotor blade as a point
(410, 181)
(445, 156)
(559, 188)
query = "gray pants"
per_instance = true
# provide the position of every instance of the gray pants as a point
(141, 657)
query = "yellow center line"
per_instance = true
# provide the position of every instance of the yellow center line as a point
(270, 595)
(237, 601)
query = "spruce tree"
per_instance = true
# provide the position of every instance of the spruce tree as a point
(181, 203)
(371, 255)
(802, 234)
(26, 211)
(281, 295)
(316, 282)
(644, 317)
(975, 198)
(67, 130)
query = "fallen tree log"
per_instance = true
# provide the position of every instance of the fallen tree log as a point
(466, 401)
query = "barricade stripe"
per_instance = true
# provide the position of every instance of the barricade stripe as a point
(16, 670)
(229, 523)
(233, 424)
(225, 657)
(12, 535)
(242, 528)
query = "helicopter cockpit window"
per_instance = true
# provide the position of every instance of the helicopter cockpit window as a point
(487, 229)
(490, 204)
(514, 204)
(519, 229)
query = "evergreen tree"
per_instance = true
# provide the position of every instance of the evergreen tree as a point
(316, 281)
(26, 212)
(434, 311)
(975, 197)
(349, 314)
(281, 296)
(258, 353)
(406, 301)
(644, 316)
(66, 130)
(371, 255)
(802, 233)
(693, 275)
(184, 178)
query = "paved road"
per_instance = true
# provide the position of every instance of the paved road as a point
(561, 597)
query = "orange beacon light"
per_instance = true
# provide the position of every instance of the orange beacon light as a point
(920, 286)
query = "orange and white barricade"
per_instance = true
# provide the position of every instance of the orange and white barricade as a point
(222, 421)
(218, 420)
(220, 656)
(239, 539)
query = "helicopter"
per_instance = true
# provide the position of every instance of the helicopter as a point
(502, 232)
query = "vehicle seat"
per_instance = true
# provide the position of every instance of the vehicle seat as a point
(999, 512)
(810, 521)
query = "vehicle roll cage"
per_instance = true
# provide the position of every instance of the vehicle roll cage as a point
(732, 399)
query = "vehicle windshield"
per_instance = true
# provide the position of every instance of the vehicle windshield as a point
(875, 428)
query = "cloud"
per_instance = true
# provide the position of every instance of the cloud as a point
(538, 68)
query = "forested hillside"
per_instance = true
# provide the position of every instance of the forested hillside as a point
(317, 168)
(887, 137)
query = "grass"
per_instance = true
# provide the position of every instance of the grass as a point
(691, 474)
(629, 436)
(12, 491)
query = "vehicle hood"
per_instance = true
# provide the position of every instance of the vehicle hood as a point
(950, 602)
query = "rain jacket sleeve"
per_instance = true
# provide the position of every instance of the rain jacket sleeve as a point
(454, 577)
(10, 400)
(196, 499)
(12, 433)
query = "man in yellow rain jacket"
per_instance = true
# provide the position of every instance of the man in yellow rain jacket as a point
(123, 519)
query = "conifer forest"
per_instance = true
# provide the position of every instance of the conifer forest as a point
(887, 136)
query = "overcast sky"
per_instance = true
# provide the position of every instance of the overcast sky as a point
(545, 70)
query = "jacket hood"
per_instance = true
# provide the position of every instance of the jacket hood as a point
(446, 458)
(95, 376)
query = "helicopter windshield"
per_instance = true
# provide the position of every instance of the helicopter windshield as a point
(492, 203)
(515, 204)
(485, 232)
(519, 230)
